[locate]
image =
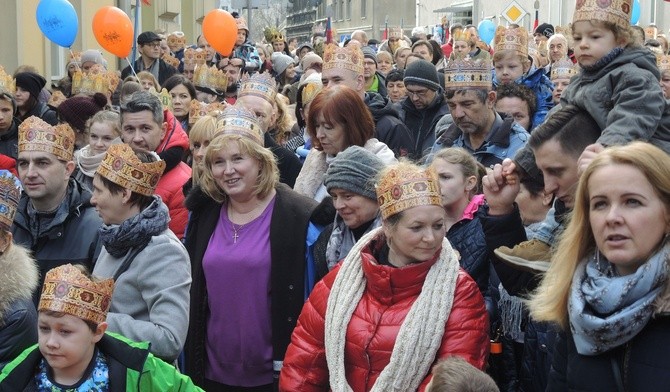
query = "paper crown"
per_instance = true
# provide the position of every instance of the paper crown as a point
(663, 63)
(260, 85)
(395, 32)
(403, 187)
(241, 23)
(163, 96)
(514, 38)
(210, 77)
(122, 167)
(617, 12)
(460, 35)
(194, 57)
(237, 120)
(10, 193)
(67, 290)
(96, 80)
(198, 109)
(176, 39)
(350, 58)
(74, 57)
(563, 69)
(171, 60)
(310, 91)
(56, 98)
(7, 81)
(651, 32)
(37, 135)
(467, 73)
(273, 35)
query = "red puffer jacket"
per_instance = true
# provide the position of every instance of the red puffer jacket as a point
(374, 326)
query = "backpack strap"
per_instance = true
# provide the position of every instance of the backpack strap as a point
(128, 260)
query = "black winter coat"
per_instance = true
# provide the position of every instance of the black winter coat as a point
(421, 124)
(389, 128)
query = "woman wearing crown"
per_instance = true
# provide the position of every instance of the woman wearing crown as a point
(394, 306)
(148, 262)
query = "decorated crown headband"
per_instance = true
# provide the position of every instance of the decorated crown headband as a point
(511, 38)
(310, 91)
(171, 60)
(260, 85)
(194, 57)
(96, 80)
(56, 98)
(237, 120)
(67, 290)
(37, 135)
(10, 192)
(350, 58)
(403, 187)
(467, 73)
(210, 77)
(199, 109)
(7, 81)
(74, 57)
(617, 12)
(663, 63)
(177, 39)
(122, 167)
(563, 69)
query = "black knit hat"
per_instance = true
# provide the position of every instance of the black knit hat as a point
(78, 109)
(545, 29)
(423, 73)
(31, 82)
(354, 170)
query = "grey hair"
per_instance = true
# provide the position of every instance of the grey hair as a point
(141, 101)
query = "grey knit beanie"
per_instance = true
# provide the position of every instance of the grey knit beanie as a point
(354, 170)
(423, 73)
(280, 62)
(369, 53)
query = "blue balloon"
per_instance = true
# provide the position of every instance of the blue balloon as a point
(486, 30)
(58, 21)
(635, 15)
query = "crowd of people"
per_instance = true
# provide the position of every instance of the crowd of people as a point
(369, 216)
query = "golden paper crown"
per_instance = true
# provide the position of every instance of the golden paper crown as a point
(210, 77)
(395, 32)
(260, 85)
(198, 109)
(310, 91)
(467, 73)
(56, 98)
(515, 39)
(96, 80)
(171, 60)
(7, 82)
(37, 135)
(163, 96)
(122, 167)
(651, 32)
(176, 38)
(403, 187)
(67, 290)
(460, 35)
(194, 57)
(74, 57)
(350, 58)
(563, 69)
(614, 11)
(10, 193)
(663, 63)
(273, 35)
(237, 120)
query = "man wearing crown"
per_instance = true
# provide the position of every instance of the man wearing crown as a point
(149, 44)
(55, 218)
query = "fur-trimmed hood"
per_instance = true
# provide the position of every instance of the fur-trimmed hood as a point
(18, 277)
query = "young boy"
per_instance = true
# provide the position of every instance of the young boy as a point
(455, 374)
(75, 353)
(512, 65)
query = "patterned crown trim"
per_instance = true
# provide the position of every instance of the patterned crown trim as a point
(194, 57)
(515, 39)
(210, 77)
(96, 80)
(310, 91)
(462, 36)
(122, 167)
(350, 58)
(67, 290)
(617, 12)
(74, 57)
(402, 188)
(260, 85)
(7, 81)
(176, 39)
(663, 63)
(10, 192)
(163, 96)
(198, 109)
(237, 120)
(467, 73)
(171, 60)
(37, 135)
(563, 69)
(57, 97)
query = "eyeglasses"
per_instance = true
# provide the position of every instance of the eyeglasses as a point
(418, 94)
(153, 44)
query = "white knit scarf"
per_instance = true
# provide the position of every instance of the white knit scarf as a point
(420, 334)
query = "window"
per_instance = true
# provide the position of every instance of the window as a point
(341, 11)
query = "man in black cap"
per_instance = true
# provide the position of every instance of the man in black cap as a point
(542, 33)
(149, 46)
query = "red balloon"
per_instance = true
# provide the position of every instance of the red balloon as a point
(113, 30)
(220, 30)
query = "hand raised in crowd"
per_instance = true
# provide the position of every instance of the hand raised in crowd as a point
(501, 185)
(590, 152)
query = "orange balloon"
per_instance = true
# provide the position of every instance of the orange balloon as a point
(220, 30)
(113, 30)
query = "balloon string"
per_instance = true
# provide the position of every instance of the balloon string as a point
(76, 63)
(132, 68)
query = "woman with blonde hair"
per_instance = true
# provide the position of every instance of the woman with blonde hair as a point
(202, 133)
(608, 285)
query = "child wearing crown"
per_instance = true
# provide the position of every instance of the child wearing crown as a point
(512, 65)
(75, 353)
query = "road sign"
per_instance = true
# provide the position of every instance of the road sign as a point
(514, 13)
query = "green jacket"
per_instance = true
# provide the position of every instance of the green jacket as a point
(131, 368)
